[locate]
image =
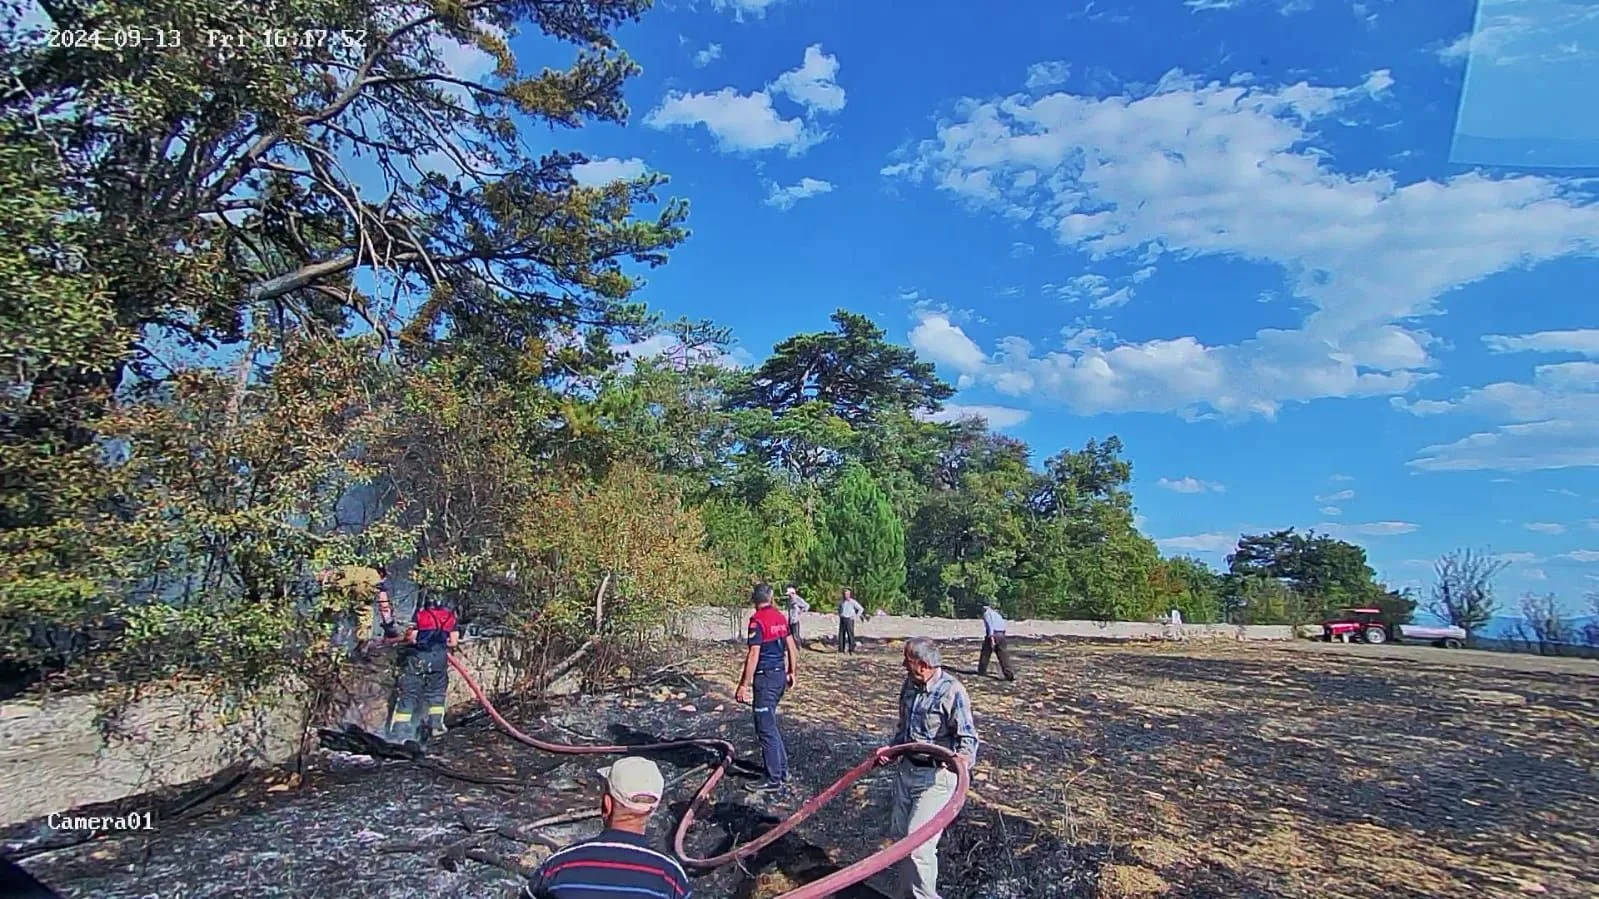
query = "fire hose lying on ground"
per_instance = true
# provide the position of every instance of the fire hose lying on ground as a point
(827, 886)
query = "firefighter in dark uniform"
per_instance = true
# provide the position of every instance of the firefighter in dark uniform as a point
(768, 673)
(424, 673)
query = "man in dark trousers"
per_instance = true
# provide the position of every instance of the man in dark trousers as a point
(768, 673)
(619, 863)
(424, 673)
(994, 642)
(849, 612)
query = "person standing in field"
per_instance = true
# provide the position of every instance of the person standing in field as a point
(768, 673)
(933, 708)
(994, 643)
(849, 612)
(797, 606)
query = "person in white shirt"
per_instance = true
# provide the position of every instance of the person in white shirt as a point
(994, 644)
(849, 611)
(796, 608)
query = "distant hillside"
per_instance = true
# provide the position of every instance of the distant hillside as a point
(1512, 627)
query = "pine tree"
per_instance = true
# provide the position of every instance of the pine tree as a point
(860, 544)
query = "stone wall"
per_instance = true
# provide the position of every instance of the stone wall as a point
(54, 755)
(728, 624)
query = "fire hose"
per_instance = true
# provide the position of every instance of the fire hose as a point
(827, 886)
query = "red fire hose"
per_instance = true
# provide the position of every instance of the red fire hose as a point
(827, 886)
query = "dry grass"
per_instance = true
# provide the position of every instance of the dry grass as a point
(1232, 770)
(1217, 770)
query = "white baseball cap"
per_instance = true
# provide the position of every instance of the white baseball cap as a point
(634, 783)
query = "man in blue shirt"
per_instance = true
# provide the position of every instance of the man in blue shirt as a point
(994, 643)
(619, 863)
(768, 673)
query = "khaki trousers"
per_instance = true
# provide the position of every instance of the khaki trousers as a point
(918, 795)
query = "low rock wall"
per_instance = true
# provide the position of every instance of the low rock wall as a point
(729, 624)
(55, 756)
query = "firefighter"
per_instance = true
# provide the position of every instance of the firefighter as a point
(424, 674)
(354, 589)
(768, 674)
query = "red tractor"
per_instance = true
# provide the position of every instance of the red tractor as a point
(1355, 625)
(1366, 626)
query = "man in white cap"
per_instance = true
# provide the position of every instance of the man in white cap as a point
(619, 863)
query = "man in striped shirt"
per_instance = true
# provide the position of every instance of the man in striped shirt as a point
(619, 863)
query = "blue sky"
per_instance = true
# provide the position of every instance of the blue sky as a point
(1229, 232)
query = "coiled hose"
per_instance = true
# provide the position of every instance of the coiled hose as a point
(827, 886)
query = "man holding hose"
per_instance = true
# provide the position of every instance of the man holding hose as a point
(425, 673)
(933, 708)
(768, 673)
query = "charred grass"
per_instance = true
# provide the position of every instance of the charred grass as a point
(1218, 770)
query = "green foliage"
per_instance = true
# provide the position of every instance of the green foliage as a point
(852, 372)
(1325, 574)
(860, 544)
(1195, 590)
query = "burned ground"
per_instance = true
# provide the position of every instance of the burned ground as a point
(1222, 770)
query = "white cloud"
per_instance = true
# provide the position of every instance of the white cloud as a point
(1540, 31)
(1581, 555)
(1215, 542)
(1545, 527)
(1286, 7)
(1583, 341)
(1340, 478)
(1097, 289)
(1332, 511)
(465, 61)
(1191, 485)
(1079, 337)
(938, 339)
(1021, 249)
(1048, 74)
(750, 122)
(1369, 529)
(1534, 574)
(1516, 558)
(705, 57)
(998, 417)
(739, 122)
(786, 197)
(814, 84)
(1550, 422)
(667, 345)
(1192, 169)
(754, 8)
(599, 172)
(1338, 497)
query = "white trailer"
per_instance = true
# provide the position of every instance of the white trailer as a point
(1447, 636)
